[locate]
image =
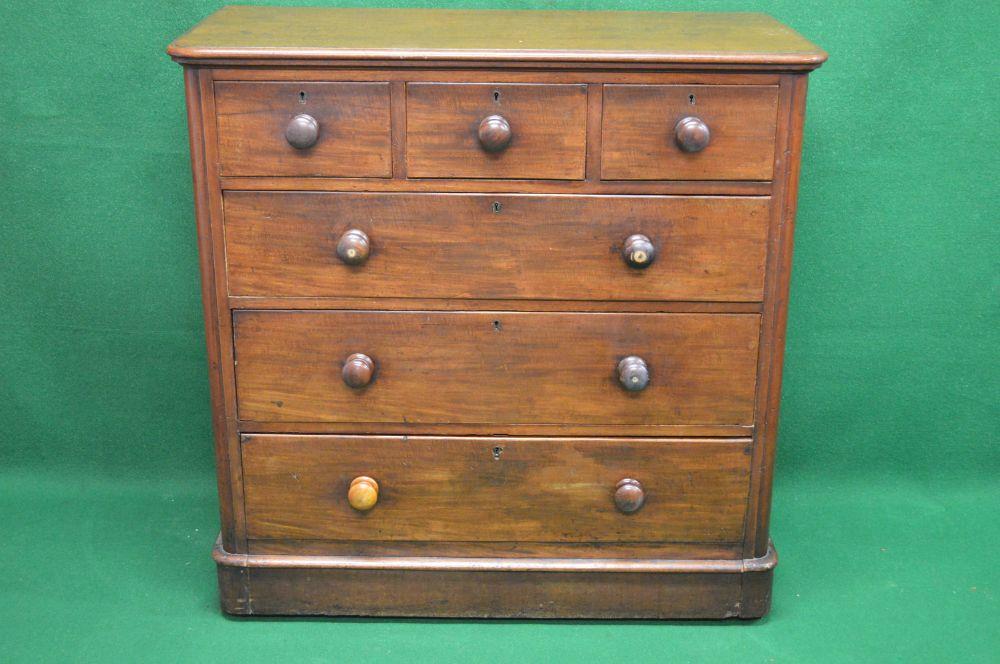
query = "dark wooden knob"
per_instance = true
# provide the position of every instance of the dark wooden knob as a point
(633, 373)
(629, 495)
(692, 134)
(358, 370)
(495, 133)
(638, 251)
(302, 131)
(353, 247)
(363, 493)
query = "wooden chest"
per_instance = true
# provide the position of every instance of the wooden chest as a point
(495, 306)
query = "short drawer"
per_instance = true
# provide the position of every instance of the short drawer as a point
(475, 130)
(506, 368)
(496, 247)
(338, 129)
(689, 132)
(489, 489)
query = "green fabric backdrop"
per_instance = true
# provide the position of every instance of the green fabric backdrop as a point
(886, 499)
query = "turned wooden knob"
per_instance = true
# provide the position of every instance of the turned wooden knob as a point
(363, 493)
(302, 131)
(633, 373)
(495, 133)
(638, 251)
(692, 134)
(353, 247)
(358, 370)
(629, 495)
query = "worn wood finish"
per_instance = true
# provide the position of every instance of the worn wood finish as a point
(310, 34)
(639, 132)
(502, 246)
(494, 429)
(484, 489)
(571, 550)
(611, 333)
(432, 304)
(613, 188)
(495, 587)
(547, 126)
(773, 330)
(353, 134)
(511, 368)
(470, 594)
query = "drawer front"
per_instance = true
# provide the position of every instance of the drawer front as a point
(506, 247)
(483, 489)
(641, 139)
(350, 125)
(546, 126)
(499, 368)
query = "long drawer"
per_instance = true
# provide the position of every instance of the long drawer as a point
(483, 489)
(497, 368)
(496, 246)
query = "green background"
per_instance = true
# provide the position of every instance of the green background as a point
(886, 498)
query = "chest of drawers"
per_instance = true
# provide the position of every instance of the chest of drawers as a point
(495, 306)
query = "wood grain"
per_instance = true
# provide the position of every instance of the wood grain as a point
(485, 489)
(486, 327)
(578, 550)
(549, 124)
(354, 138)
(501, 368)
(638, 132)
(531, 247)
(305, 34)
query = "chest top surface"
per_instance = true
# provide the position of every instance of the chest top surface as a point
(667, 38)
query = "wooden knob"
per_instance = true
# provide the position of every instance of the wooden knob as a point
(363, 493)
(692, 134)
(633, 373)
(495, 133)
(629, 495)
(302, 132)
(353, 247)
(358, 370)
(638, 251)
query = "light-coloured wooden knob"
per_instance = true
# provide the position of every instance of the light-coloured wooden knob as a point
(363, 493)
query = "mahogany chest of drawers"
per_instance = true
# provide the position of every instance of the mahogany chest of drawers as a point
(495, 306)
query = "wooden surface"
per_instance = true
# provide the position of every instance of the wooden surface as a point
(548, 123)
(494, 587)
(493, 368)
(464, 246)
(485, 489)
(471, 594)
(526, 36)
(495, 304)
(638, 132)
(564, 550)
(354, 135)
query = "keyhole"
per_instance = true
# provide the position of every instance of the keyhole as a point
(302, 97)
(497, 451)
(691, 99)
(496, 96)
(497, 325)
(497, 206)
